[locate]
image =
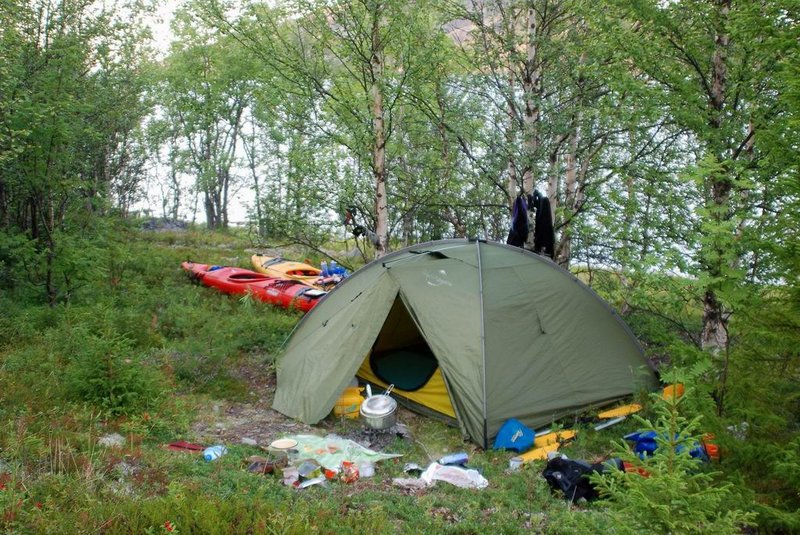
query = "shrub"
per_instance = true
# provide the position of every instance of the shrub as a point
(108, 374)
(677, 494)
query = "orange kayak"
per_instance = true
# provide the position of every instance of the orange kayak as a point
(285, 269)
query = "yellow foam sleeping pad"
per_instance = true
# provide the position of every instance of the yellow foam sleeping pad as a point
(433, 395)
(545, 444)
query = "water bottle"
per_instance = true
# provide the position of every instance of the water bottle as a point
(333, 269)
(325, 271)
(213, 453)
(455, 458)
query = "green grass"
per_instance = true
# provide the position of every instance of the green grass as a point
(160, 352)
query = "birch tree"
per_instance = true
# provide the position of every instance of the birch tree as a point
(353, 60)
(546, 71)
(205, 93)
(707, 76)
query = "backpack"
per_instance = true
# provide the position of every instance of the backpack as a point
(572, 476)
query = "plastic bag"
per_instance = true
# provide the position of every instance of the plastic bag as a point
(466, 478)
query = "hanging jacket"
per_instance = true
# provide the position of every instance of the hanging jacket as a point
(519, 223)
(544, 237)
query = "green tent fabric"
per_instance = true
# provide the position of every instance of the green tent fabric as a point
(515, 336)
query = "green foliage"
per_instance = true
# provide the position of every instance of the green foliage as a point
(676, 493)
(204, 89)
(72, 101)
(168, 350)
(106, 371)
(212, 335)
(15, 252)
(679, 196)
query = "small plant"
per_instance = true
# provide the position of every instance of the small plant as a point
(167, 527)
(107, 374)
(669, 491)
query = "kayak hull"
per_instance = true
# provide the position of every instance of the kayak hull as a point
(285, 293)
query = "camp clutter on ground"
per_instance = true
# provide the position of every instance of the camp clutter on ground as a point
(494, 339)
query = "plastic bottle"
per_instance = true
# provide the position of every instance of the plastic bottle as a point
(455, 458)
(333, 268)
(212, 453)
(325, 271)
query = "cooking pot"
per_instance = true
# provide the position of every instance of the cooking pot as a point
(379, 411)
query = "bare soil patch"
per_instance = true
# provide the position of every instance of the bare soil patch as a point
(254, 421)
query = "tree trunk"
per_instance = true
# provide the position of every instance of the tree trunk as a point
(553, 174)
(563, 250)
(229, 155)
(379, 142)
(407, 208)
(512, 186)
(174, 209)
(715, 319)
(223, 197)
(208, 202)
(252, 156)
(50, 227)
(532, 88)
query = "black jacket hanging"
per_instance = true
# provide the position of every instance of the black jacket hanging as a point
(544, 236)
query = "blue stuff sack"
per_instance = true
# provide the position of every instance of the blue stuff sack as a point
(514, 435)
(645, 444)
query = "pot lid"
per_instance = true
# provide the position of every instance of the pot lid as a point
(379, 405)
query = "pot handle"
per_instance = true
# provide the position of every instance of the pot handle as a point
(369, 391)
(391, 386)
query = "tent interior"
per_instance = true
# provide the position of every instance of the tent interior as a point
(401, 356)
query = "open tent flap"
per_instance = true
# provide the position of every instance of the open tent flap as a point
(441, 293)
(400, 356)
(324, 359)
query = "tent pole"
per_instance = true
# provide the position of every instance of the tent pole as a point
(483, 346)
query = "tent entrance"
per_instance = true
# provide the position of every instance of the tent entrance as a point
(408, 369)
(400, 356)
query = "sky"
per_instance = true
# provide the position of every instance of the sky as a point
(160, 24)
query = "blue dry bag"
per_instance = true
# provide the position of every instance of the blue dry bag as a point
(514, 435)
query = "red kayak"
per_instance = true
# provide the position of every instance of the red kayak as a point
(286, 293)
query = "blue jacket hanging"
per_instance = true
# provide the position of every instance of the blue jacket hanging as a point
(519, 223)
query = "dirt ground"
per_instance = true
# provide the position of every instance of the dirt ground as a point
(254, 422)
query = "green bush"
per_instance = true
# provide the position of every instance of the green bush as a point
(110, 375)
(677, 493)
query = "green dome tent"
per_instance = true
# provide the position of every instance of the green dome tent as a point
(504, 332)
